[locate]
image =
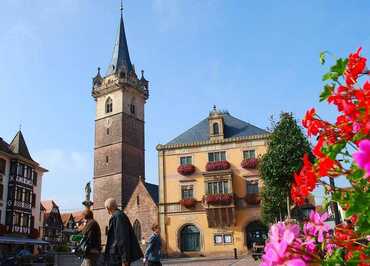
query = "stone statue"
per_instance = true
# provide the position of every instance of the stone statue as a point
(87, 203)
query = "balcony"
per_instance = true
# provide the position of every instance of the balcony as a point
(179, 208)
(220, 210)
(22, 204)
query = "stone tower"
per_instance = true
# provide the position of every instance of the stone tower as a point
(119, 129)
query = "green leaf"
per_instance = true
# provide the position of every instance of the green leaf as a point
(323, 57)
(328, 90)
(340, 66)
(331, 76)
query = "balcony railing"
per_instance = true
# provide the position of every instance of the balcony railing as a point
(177, 208)
(22, 204)
(218, 200)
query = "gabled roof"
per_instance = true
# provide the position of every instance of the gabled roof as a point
(49, 205)
(66, 217)
(233, 127)
(153, 191)
(5, 147)
(19, 146)
(121, 56)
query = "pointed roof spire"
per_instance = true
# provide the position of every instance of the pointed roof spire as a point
(19, 146)
(121, 56)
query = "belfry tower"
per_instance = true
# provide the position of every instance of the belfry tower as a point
(119, 129)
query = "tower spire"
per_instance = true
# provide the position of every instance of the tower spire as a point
(121, 8)
(121, 57)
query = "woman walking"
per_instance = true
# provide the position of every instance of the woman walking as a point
(91, 233)
(153, 251)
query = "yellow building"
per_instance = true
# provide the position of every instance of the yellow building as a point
(209, 187)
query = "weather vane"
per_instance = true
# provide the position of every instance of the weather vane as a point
(121, 7)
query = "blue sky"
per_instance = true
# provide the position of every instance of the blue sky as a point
(252, 58)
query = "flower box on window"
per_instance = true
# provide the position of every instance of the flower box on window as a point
(186, 169)
(250, 163)
(218, 165)
(219, 199)
(188, 203)
(253, 198)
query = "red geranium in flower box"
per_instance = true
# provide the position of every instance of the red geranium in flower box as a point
(186, 169)
(219, 199)
(216, 166)
(188, 203)
(250, 163)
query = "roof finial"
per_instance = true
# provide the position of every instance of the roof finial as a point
(214, 107)
(121, 8)
(20, 126)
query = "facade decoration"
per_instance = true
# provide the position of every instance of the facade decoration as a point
(206, 212)
(20, 190)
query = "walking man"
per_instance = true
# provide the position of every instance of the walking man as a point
(122, 246)
(153, 251)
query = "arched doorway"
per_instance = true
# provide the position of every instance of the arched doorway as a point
(190, 238)
(255, 232)
(137, 230)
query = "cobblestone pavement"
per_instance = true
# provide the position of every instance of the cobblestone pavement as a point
(249, 261)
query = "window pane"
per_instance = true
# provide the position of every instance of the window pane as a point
(228, 239)
(220, 187)
(215, 188)
(217, 156)
(210, 190)
(223, 156)
(2, 166)
(226, 187)
(218, 239)
(210, 157)
(252, 187)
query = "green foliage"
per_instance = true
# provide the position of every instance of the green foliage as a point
(283, 158)
(336, 71)
(328, 90)
(335, 259)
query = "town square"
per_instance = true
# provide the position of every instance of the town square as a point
(184, 132)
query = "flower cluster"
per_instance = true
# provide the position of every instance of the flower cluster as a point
(250, 163)
(352, 126)
(218, 165)
(186, 169)
(188, 203)
(342, 149)
(219, 199)
(288, 245)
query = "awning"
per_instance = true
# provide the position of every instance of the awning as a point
(21, 241)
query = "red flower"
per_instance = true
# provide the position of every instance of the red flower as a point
(304, 182)
(186, 169)
(188, 203)
(355, 66)
(250, 163)
(216, 166)
(219, 199)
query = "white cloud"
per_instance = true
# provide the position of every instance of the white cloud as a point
(68, 173)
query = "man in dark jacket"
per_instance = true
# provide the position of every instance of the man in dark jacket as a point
(122, 246)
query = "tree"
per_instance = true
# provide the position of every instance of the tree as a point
(283, 158)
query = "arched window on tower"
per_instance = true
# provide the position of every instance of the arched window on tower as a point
(216, 129)
(137, 230)
(109, 105)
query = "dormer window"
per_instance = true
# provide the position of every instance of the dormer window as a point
(216, 129)
(109, 105)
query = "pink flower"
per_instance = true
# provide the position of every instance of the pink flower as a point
(362, 157)
(281, 237)
(317, 226)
